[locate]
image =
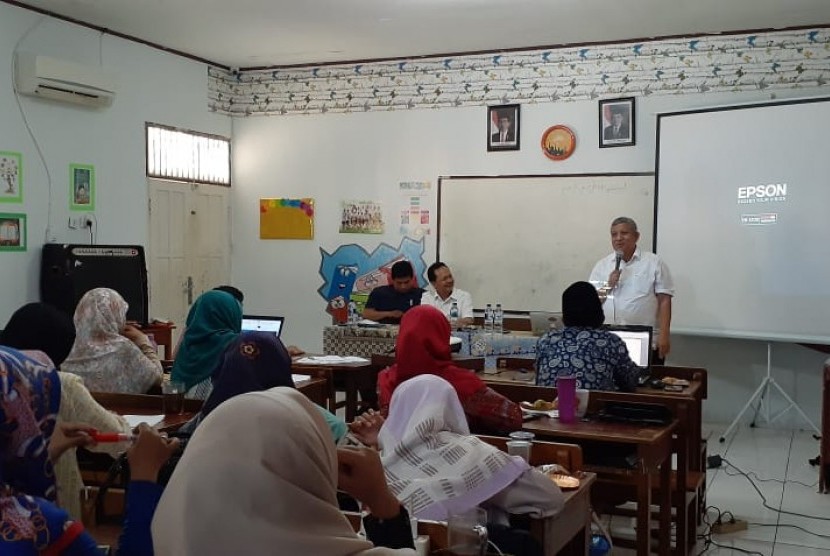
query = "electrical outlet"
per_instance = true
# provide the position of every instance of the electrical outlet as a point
(729, 527)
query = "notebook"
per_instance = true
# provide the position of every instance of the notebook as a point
(258, 323)
(638, 341)
(542, 321)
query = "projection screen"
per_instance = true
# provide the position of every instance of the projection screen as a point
(743, 219)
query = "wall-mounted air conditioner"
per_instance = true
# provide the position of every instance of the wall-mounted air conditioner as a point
(64, 81)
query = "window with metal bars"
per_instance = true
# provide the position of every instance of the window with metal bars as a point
(189, 156)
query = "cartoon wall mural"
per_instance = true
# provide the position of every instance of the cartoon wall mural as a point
(351, 272)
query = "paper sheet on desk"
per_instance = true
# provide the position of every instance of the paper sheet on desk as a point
(331, 360)
(135, 420)
(300, 378)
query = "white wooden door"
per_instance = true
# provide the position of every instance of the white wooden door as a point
(189, 245)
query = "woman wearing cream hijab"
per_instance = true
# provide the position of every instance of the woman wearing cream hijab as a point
(260, 476)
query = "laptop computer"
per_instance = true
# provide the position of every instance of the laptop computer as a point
(637, 340)
(542, 321)
(259, 323)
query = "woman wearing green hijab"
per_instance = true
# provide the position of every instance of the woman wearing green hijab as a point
(214, 321)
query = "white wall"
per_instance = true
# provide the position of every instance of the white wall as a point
(153, 86)
(332, 157)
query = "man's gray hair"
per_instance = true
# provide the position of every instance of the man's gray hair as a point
(624, 220)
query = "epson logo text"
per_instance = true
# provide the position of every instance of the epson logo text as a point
(762, 191)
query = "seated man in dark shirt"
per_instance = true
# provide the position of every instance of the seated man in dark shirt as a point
(387, 304)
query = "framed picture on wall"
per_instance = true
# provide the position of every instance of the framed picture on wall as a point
(12, 232)
(616, 122)
(81, 187)
(503, 127)
(11, 177)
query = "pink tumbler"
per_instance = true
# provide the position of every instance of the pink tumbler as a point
(566, 389)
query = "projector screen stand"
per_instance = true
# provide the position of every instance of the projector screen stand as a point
(762, 395)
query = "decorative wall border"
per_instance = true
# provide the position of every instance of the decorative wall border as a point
(718, 63)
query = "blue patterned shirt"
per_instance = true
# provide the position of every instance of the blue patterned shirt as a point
(598, 359)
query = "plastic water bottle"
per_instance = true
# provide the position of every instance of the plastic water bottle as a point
(498, 319)
(352, 313)
(488, 318)
(454, 316)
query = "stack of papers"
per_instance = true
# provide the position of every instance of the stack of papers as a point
(331, 360)
(135, 420)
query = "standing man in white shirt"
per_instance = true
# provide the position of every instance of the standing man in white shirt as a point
(635, 285)
(442, 293)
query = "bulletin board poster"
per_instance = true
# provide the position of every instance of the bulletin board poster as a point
(415, 219)
(361, 217)
(286, 218)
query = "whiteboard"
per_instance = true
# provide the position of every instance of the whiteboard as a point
(521, 240)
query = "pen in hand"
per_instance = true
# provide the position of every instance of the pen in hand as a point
(99, 437)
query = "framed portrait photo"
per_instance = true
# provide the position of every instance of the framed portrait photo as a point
(503, 127)
(81, 187)
(11, 177)
(12, 232)
(616, 122)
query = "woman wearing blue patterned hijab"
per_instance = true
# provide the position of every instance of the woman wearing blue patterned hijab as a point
(30, 524)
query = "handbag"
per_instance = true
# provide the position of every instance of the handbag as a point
(118, 477)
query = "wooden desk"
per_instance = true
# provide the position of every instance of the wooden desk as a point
(144, 404)
(653, 448)
(352, 375)
(162, 333)
(686, 406)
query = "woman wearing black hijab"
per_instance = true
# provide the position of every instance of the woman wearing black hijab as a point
(41, 327)
(598, 359)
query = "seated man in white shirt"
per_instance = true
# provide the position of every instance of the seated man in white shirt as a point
(442, 293)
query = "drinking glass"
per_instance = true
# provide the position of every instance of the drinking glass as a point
(467, 533)
(173, 397)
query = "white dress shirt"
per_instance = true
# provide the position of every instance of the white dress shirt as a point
(464, 300)
(634, 299)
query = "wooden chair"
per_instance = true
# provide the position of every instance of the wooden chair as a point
(574, 518)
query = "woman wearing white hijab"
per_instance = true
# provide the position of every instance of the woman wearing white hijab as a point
(260, 476)
(435, 465)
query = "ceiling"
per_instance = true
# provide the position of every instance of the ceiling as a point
(254, 33)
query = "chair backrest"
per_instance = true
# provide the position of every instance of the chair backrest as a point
(382, 360)
(688, 373)
(526, 363)
(473, 363)
(568, 456)
(435, 530)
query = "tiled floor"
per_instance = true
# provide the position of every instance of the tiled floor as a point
(780, 458)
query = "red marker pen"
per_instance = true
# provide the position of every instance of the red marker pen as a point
(110, 436)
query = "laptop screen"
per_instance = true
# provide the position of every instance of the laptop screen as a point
(253, 323)
(638, 341)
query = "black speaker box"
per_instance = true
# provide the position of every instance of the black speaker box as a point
(67, 272)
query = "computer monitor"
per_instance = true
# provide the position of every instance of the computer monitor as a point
(259, 323)
(542, 322)
(638, 341)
